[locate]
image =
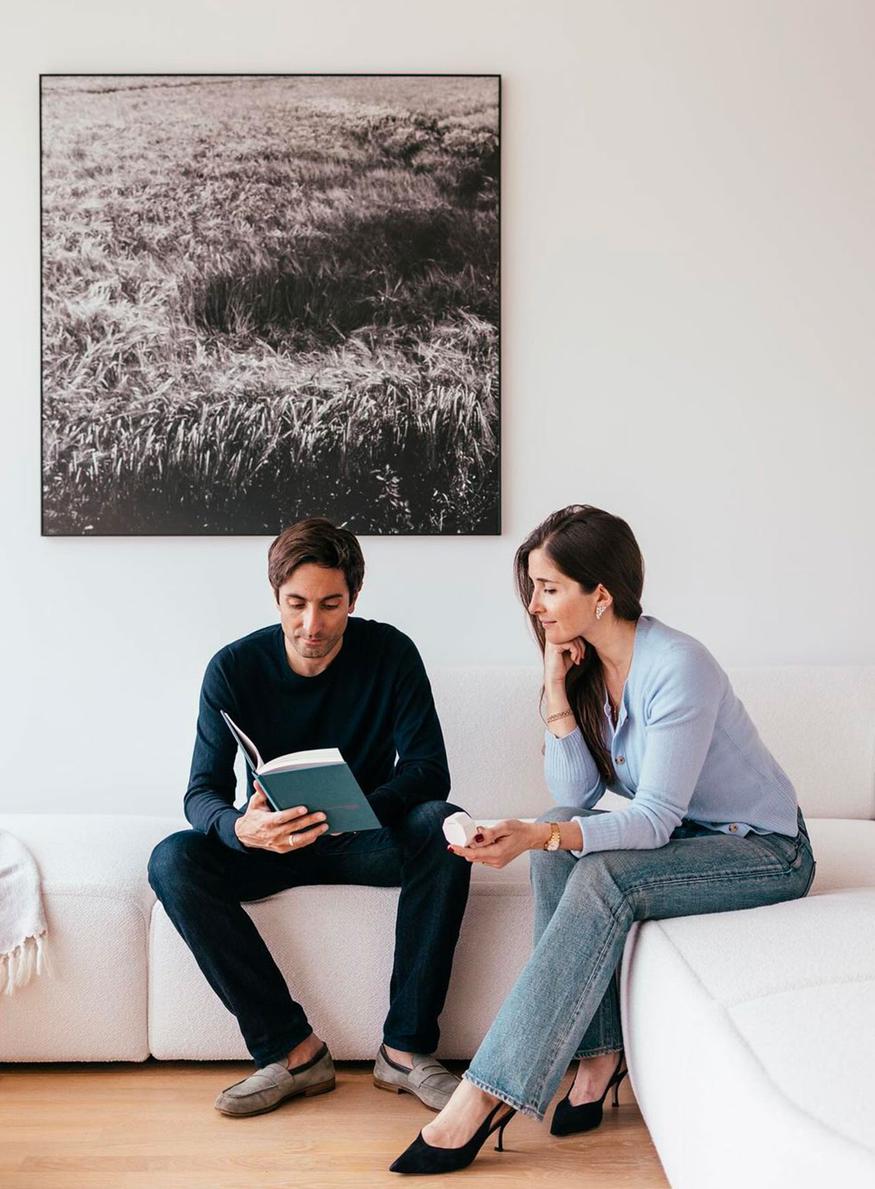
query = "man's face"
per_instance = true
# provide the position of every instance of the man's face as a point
(314, 608)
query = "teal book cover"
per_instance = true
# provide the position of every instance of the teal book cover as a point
(329, 788)
(319, 780)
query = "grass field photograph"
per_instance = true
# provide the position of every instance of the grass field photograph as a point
(266, 297)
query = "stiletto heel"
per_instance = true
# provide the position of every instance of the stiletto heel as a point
(572, 1120)
(423, 1159)
(499, 1147)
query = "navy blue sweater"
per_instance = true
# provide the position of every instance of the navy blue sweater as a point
(373, 701)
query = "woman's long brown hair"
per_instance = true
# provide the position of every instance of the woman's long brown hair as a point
(590, 547)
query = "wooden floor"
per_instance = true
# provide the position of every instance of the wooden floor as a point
(153, 1126)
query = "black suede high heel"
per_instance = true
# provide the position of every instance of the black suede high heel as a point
(422, 1158)
(571, 1120)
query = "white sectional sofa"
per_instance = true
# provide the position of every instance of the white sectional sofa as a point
(750, 1035)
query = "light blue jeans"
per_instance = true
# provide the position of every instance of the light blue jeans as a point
(565, 1003)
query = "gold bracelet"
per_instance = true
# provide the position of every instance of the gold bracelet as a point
(561, 714)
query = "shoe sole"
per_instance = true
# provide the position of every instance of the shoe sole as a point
(310, 1092)
(393, 1089)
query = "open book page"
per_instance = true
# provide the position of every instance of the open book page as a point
(303, 759)
(287, 763)
(250, 751)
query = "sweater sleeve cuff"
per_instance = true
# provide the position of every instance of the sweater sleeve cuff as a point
(225, 829)
(568, 762)
(599, 833)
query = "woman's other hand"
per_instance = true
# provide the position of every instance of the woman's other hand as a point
(503, 842)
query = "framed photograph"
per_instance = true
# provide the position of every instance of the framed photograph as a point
(270, 296)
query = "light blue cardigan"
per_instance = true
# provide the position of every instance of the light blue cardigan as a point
(684, 747)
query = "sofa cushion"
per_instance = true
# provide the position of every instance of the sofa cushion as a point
(93, 853)
(819, 722)
(91, 1006)
(334, 945)
(751, 1036)
(494, 738)
(98, 903)
(844, 850)
(490, 721)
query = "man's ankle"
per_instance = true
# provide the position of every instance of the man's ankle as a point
(304, 1052)
(398, 1056)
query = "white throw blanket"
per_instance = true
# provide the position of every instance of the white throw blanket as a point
(22, 920)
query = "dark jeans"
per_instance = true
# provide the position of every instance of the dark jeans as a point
(201, 883)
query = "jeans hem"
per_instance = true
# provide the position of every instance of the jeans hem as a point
(280, 1054)
(533, 1112)
(410, 1045)
(598, 1052)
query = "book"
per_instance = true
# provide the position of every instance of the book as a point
(319, 779)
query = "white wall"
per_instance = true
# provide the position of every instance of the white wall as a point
(689, 272)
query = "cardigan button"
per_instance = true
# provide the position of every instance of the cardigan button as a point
(621, 759)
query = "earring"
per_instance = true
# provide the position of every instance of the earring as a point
(600, 610)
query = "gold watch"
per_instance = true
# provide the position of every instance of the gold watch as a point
(552, 842)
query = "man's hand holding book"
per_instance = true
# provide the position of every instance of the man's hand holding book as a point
(263, 828)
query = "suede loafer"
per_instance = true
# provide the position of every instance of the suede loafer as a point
(428, 1081)
(270, 1087)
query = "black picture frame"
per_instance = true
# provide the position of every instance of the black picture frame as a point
(352, 297)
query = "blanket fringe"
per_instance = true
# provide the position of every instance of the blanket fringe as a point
(28, 959)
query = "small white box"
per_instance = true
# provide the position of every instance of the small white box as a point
(459, 828)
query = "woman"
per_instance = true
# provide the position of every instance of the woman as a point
(712, 825)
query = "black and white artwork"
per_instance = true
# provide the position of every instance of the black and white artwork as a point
(270, 296)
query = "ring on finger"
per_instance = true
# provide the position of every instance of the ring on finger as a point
(292, 839)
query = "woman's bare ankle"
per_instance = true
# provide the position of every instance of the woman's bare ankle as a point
(460, 1118)
(593, 1075)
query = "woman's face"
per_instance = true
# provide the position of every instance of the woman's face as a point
(561, 605)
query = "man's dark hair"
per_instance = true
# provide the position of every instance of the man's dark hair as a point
(316, 541)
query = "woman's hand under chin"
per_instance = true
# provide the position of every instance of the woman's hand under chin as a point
(503, 842)
(559, 658)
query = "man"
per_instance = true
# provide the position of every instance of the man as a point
(318, 679)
